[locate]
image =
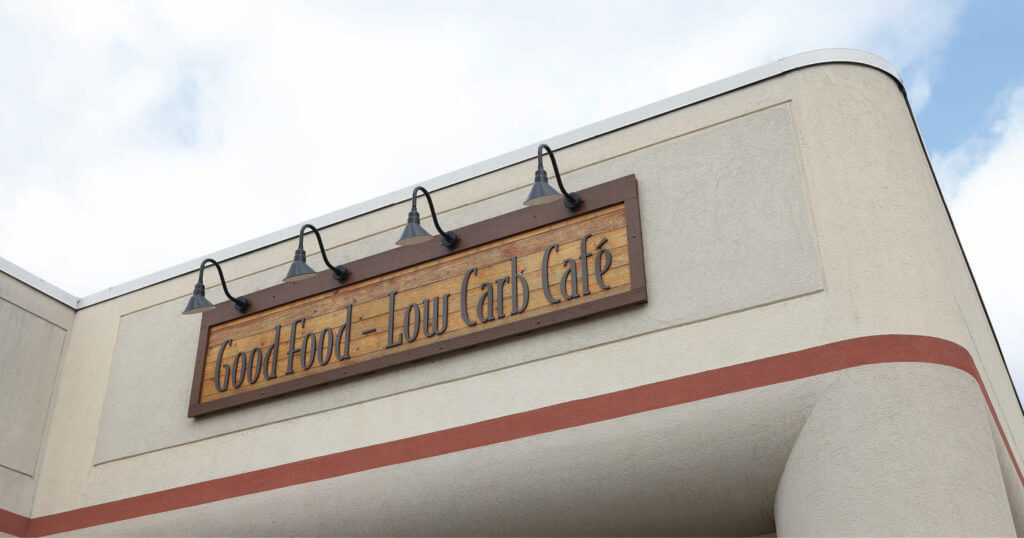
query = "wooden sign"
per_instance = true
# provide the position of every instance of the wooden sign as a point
(508, 275)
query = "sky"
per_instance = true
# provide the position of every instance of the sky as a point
(135, 136)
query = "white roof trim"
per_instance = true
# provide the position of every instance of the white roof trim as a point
(9, 268)
(746, 78)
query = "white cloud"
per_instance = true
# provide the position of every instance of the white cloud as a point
(205, 124)
(987, 211)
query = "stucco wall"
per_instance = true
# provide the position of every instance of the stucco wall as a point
(707, 468)
(765, 252)
(32, 332)
(789, 214)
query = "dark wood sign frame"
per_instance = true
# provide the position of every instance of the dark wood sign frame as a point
(619, 191)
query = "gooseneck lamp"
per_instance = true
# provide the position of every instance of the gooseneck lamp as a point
(542, 192)
(414, 233)
(199, 303)
(300, 271)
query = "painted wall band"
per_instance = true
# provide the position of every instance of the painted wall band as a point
(819, 360)
(12, 523)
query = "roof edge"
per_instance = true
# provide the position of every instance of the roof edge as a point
(575, 136)
(21, 275)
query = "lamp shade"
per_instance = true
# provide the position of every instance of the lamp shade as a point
(299, 270)
(542, 193)
(198, 303)
(413, 234)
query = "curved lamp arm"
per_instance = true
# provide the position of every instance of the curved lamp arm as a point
(241, 303)
(340, 273)
(448, 239)
(572, 200)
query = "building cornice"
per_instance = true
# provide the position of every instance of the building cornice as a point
(575, 136)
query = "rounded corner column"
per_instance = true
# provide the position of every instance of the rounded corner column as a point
(895, 449)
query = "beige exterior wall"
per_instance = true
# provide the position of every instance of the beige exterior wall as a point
(33, 327)
(793, 213)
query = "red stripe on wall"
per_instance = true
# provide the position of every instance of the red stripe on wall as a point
(12, 523)
(740, 377)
